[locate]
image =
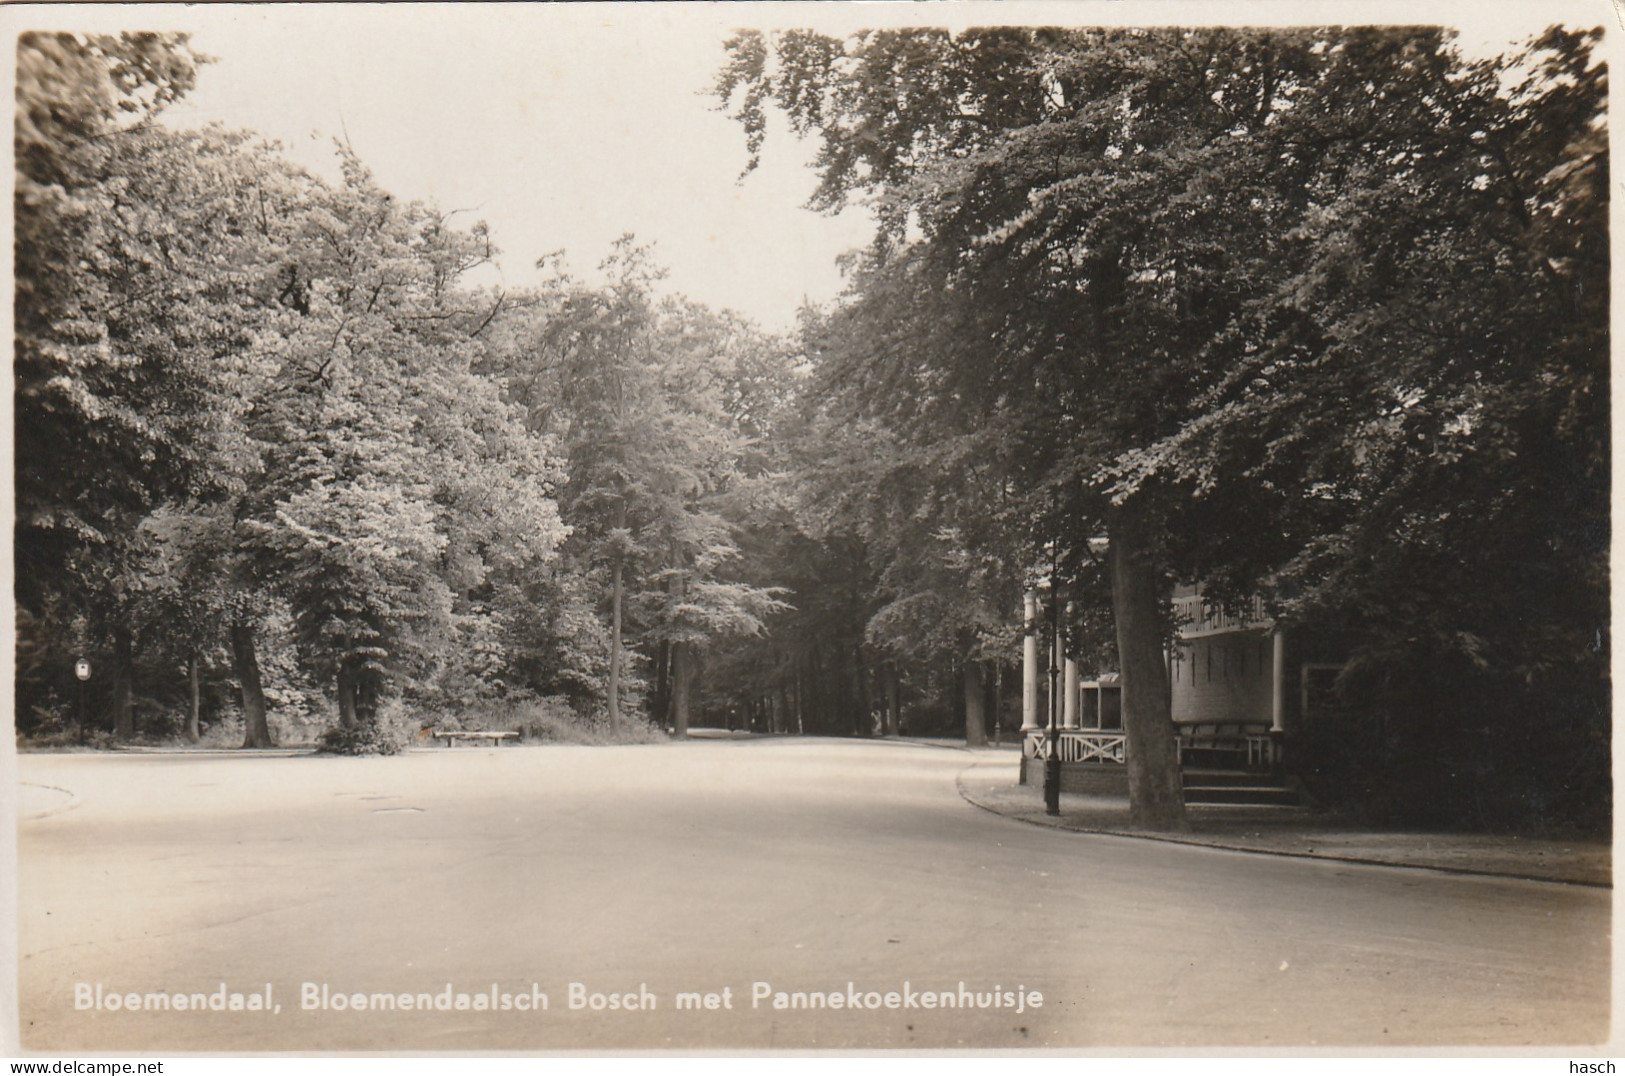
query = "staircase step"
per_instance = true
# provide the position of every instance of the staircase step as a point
(1214, 756)
(1214, 778)
(1261, 795)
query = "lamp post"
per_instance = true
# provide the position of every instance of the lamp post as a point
(81, 669)
(1052, 758)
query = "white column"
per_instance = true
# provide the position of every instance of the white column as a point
(1278, 683)
(1069, 717)
(1029, 665)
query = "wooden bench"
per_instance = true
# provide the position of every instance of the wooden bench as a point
(451, 736)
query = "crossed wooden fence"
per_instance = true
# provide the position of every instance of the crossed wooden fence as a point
(1260, 750)
(1077, 745)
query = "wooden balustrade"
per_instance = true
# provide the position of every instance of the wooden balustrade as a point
(1077, 745)
(1243, 746)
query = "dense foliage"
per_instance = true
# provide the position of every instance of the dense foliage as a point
(1317, 315)
(304, 471)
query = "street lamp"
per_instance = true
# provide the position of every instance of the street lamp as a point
(1052, 758)
(81, 669)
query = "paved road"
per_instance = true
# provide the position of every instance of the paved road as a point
(702, 867)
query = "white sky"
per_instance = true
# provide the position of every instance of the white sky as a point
(562, 129)
(564, 126)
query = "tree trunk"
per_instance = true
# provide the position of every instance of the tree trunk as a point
(1156, 798)
(193, 733)
(123, 673)
(894, 701)
(660, 701)
(680, 676)
(366, 699)
(858, 694)
(801, 701)
(614, 692)
(346, 688)
(829, 688)
(975, 701)
(862, 683)
(793, 720)
(256, 733)
(812, 693)
(998, 702)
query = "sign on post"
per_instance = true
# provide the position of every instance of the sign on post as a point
(81, 669)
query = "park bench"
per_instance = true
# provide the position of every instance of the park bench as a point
(451, 736)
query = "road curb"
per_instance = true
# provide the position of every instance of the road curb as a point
(1193, 842)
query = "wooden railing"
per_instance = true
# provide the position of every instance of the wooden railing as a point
(1251, 746)
(1197, 617)
(1077, 745)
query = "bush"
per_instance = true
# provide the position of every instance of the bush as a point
(293, 729)
(367, 738)
(71, 737)
(1453, 746)
(226, 730)
(390, 732)
(54, 724)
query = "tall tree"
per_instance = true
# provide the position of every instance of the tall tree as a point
(396, 478)
(960, 137)
(904, 466)
(276, 374)
(115, 398)
(1425, 371)
(130, 330)
(635, 389)
(1107, 214)
(696, 594)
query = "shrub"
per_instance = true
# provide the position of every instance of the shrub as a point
(367, 738)
(73, 737)
(390, 732)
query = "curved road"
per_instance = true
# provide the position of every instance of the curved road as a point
(705, 867)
